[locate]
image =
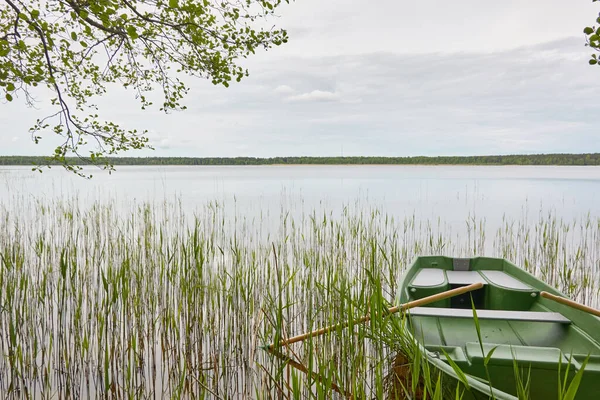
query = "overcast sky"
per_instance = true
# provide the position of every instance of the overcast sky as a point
(383, 77)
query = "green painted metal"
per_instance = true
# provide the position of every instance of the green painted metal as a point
(539, 348)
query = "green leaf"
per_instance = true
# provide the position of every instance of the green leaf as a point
(10, 87)
(523, 383)
(477, 327)
(588, 30)
(35, 14)
(8, 97)
(132, 32)
(438, 393)
(459, 373)
(487, 358)
(173, 3)
(593, 62)
(74, 35)
(574, 386)
(459, 393)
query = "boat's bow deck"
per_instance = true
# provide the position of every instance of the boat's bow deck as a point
(430, 277)
(501, 291)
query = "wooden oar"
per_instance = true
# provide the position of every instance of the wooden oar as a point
(366, 318)
(315, 376)
(570, 303)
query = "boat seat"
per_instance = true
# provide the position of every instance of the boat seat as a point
(428, 277)
(501, 278)
(531, 316)
(540, 357)
(464, 277)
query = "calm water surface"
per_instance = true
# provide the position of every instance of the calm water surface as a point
(224, 327)
(452, 193)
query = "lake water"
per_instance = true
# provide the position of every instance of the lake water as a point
(452, 193)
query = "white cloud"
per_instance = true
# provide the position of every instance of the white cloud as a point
(382, 104)
(337, 27)
(283, 89)
(316, 95)
(164, 144)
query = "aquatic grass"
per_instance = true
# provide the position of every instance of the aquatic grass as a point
(523, 382)
(97, 301)
(486, 357)
(568, 392)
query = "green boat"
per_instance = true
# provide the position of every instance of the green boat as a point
(516, 322)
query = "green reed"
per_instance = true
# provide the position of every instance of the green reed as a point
(154, 301)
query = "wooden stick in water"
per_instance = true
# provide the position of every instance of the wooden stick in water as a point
(366, 318)
(570, 303)
(315, 376)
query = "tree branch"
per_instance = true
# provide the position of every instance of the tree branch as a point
(94, 23)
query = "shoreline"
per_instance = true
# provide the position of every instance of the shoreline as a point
(557, 159)
(117, 166)
(41, 165)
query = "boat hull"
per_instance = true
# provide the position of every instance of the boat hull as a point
(516, 330)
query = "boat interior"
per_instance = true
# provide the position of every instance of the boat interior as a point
(514, 320)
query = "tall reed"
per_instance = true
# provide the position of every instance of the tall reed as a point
(155, 301)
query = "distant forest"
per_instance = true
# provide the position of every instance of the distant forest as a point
(531, 159)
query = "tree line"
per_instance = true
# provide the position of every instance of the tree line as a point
(528, 159)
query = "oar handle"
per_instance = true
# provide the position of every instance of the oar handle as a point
(570, 303)
(402, 307)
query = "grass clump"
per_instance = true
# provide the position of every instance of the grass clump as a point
(153, 301)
